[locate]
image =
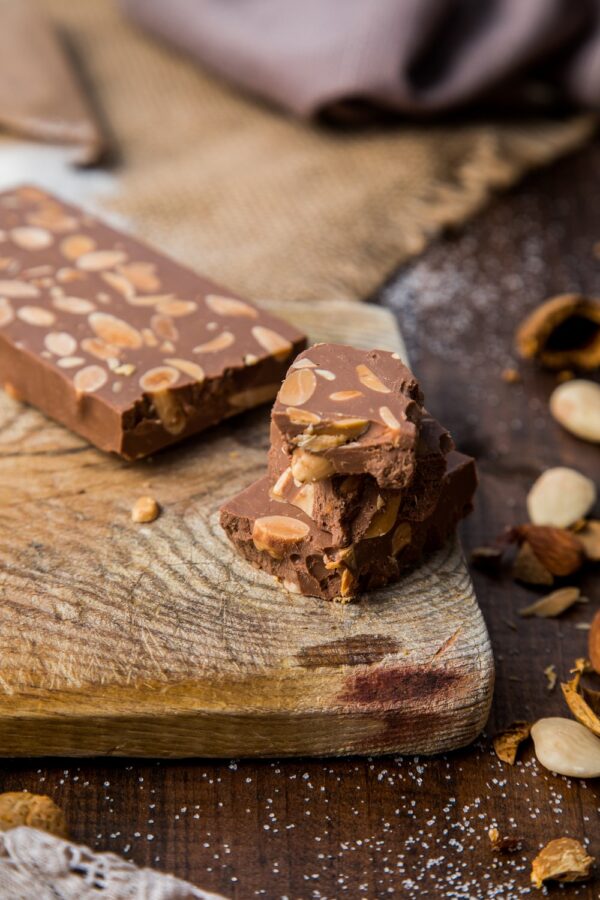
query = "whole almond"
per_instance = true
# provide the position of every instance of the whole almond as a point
(557, 549)
(576, 406)
(566, 747)
(560, 497)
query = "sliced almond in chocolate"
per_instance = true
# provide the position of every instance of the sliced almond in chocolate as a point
(60, 343)
(115, 331)
(344, 396)
(119, 283)
(7, 314)
(221, 342)
(303, 363)
(302, 416)
(164, 327)
(272, 342)
(90, 379)
(277, 534)
(308, 466)
(389, 418)
(370, 380)
(298, 387)
(76, 245)
(176, 308)
(31, 238)
(99, 348)
(188, 368)
(230, 306)
(96, 260)
(18, 290)
(36, 315)
(79, 306)
(142, 276)
(159, 379)
(385, 518)
(402, 537)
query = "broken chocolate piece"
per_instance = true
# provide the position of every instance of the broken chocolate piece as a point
(283, 540)
(118, 342)
(343, 411)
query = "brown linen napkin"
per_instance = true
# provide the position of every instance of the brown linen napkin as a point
(269, 205)
(40, 95)
(417, 56)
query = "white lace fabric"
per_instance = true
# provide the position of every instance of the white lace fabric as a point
(38, 866)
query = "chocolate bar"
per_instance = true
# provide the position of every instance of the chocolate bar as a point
(343, 411)
(121, 344)
(283, 540)
(352, 506)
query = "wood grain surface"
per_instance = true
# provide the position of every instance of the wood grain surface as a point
(329, 829)
(159, 640)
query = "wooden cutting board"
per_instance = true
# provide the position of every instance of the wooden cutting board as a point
(157, 640)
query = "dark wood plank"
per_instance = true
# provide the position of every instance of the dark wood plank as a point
(366, 828)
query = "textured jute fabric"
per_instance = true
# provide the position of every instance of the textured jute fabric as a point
(271, 206)
(38, 866)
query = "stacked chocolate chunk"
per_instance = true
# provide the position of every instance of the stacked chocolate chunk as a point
(362, 480)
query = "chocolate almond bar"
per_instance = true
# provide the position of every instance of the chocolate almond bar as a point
(352, 506)
(283, 540)
(118, 342)
(343, 411)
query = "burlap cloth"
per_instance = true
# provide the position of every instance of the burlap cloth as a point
(38, 866)
(268, 205)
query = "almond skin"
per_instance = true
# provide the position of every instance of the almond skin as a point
(557, 549)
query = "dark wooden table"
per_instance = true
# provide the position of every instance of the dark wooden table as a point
(367, 828)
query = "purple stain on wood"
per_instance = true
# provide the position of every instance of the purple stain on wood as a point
(361, 650)
(397, 683)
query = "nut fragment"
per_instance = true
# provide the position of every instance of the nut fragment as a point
(230, 306)
(576, 406)
(560, 497)
(552, 604)
(272, 342)
(100, 349)
(90, 379)
(577, 702)
(507, 742)
(331, 434)
(564, 331)
(278, 534)
(326, 374)
(389, 418)
(34, 810)
(370, 380)
(347, 584)
(298, 387)
(304, 363)
(504, 843)
(385, 518)
(529, 569)
(141, 275)
(164, 327)
(307, 466)
(566, 747)
(401, 537)
(304, 499)
(119, 283)
(176, 308)
(145, 509)
(563, 859)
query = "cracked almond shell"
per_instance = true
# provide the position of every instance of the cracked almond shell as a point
(563, 332)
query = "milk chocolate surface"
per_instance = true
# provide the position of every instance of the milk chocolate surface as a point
(343, 411)
(283, 540)
(117, 341)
